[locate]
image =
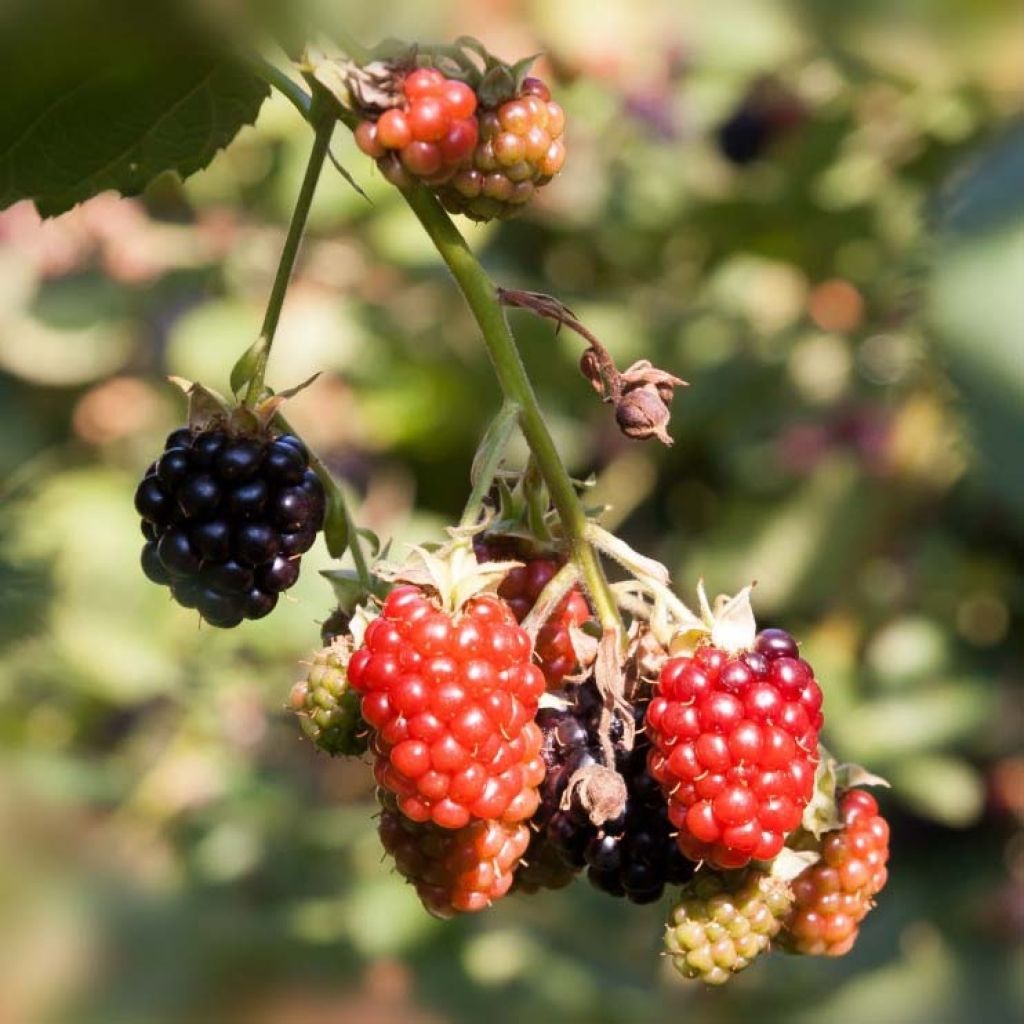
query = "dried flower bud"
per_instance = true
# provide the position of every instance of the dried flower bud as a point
(590, 367)
(642, 413)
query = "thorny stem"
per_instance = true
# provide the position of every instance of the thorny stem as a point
(324, 123)
(482, 298)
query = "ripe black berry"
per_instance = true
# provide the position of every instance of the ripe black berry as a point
(226, 520)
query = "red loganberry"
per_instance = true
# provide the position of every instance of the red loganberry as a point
(519, 150)
(734, 747)
(520, 589)
(429, 136)
(423, 82)
(454, 871)
(833, 896)
(451, 701)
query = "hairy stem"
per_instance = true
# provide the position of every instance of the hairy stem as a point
(324, 123)
(482, 297)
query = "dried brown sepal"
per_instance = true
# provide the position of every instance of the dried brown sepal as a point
(601, 792)
(641, 395)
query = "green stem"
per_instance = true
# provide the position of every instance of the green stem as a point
(279, 80)
(324, 123)
(481, 295)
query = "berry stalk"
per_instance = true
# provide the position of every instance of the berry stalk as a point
(482, 297)
(251, 369)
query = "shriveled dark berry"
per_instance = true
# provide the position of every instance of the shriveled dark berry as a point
(634, 855)
(279, 575)
(239, 460)
(177, 554)
(226, 520)
(152, 566)
(199, 496)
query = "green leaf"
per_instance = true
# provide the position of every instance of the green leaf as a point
(111, 98)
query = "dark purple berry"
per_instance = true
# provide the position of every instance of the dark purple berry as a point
(317, 498)
(173, 467)
(207, 446)
(279, 575)
(776, 643)
(239, 460)
(149, 531)
(292, 441)
(756, 662)
(297, 543)
(258, 603)
(181, 438)
(602, 852)
(152, 502)
(212, 540)
(290, 510)
(219, 609)
(246, 501)
(284, 464)
(186, 592)
(199, 496)
(152, 566)
(228, 577)
(177, 554)
(256, 544)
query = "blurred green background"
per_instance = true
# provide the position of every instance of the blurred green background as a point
(849, 310)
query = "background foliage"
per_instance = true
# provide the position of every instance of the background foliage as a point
(848, 311)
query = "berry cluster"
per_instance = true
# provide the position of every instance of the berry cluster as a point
(633, 855)
(834, 895)
(226, 518)
(520, 149)
(461, 870)
(721, 924)
(735, 747)
(429, 135)
(328, 708)
(451, 700)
